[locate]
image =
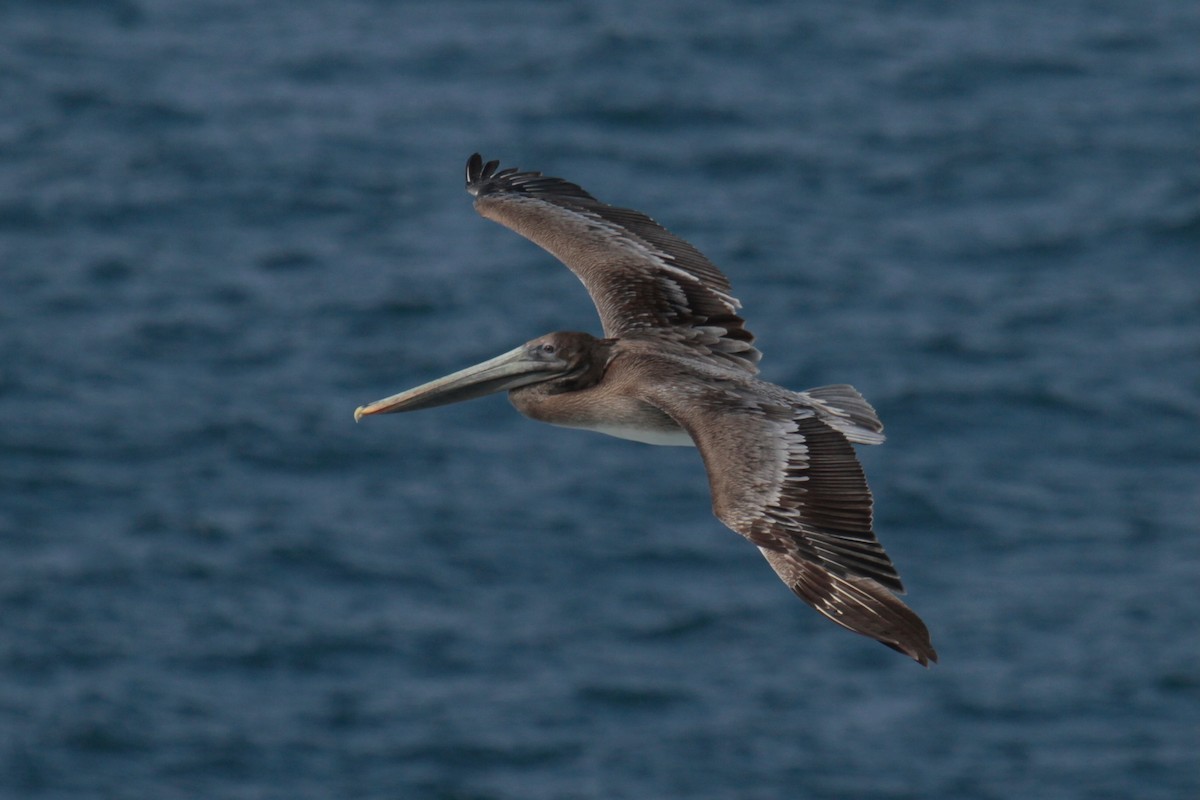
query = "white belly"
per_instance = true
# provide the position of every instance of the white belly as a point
(659, 436)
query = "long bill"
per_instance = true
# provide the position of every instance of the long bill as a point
(512, 369)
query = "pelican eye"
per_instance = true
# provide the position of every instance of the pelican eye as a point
(548, 349)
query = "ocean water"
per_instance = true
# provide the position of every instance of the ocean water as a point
(224, 225)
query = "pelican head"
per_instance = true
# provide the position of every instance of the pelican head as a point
(568, 358)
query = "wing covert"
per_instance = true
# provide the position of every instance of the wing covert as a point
(782, 476)
(640, 276)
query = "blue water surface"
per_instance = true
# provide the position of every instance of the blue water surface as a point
(224, 225)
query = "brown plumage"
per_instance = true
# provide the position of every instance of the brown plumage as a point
(678, 367)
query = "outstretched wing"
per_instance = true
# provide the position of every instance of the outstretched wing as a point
(785, 478)
(641, 277)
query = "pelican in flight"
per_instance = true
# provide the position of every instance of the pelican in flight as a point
(677, 366)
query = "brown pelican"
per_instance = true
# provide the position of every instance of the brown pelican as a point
(677, 366)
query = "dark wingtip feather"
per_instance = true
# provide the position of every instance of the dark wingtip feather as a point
(478, 172)
(484, 179)
(865, 607)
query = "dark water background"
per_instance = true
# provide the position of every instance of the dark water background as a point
(223, 225)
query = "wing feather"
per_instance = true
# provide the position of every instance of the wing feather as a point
(785, 478)
(640, 276)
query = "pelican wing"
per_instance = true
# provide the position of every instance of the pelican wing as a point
(787, 479)
(641, 276)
